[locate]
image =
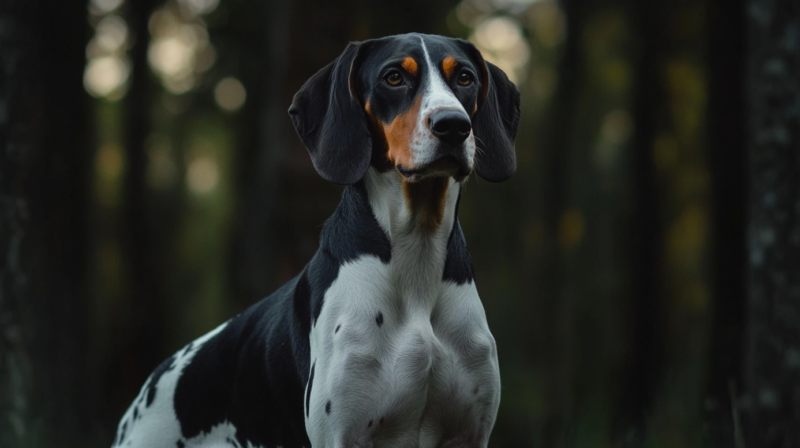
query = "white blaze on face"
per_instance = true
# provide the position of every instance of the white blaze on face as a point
(436, 96)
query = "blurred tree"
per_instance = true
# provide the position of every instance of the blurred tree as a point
(45, 394)
(770, 404)
(645, 364)
(726, 145)
(143, 328)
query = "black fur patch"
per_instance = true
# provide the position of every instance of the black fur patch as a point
(458, 264)
(329, 120)
(379, 319)
(328, 407)
(247, 375)
(254, 372)
(495, 127)
(351, 232)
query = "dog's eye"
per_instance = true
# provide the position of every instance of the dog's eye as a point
(394, 79)
(465, 78)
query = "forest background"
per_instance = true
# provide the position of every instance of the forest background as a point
(639, 272)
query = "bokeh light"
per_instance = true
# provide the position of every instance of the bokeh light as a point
(199, 7)
(230, 94)
(203, 175)
(179, 50)
(105, 76)
(100, 7)
(108, 67)
(501, 42)
(111, 33)
(548, 23)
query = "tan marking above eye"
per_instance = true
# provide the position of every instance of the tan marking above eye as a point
(410, 65)
(449, 66)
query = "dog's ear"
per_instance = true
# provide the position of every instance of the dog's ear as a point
(328, 117)
(495, 123)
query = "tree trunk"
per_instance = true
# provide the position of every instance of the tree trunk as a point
(771, 401)
(726, 154)
(43, 190)
(145, 291)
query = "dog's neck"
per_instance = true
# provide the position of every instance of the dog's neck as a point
(418, 219)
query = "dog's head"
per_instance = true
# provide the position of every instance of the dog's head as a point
(423, 105)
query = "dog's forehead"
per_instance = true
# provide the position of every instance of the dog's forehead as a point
(423, 49)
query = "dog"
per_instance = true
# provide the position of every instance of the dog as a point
(381, 340)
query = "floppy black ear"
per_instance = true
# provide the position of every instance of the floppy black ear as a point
(330, 122)
(495, 125)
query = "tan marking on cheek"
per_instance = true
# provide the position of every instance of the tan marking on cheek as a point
(410, 65)
(426, 199)
(379, 144)
(475, 109)
(449, 67)
(399, 134)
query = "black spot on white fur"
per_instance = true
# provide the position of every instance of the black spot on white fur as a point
(379, 319)
(123, 432)
(164, 367)
(328, 407)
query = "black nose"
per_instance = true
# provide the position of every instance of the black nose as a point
(450, 126)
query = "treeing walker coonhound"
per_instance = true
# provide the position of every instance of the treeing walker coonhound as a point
(381, 341)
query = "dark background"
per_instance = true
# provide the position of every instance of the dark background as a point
(639, 272)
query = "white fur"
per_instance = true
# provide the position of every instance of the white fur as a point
(436, 96)
(419, 370)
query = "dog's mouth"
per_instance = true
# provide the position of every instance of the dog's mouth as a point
(447, 166)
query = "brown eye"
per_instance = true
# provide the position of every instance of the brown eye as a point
(465, 78)
(393, 79)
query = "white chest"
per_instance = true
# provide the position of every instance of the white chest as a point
(400, 366)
